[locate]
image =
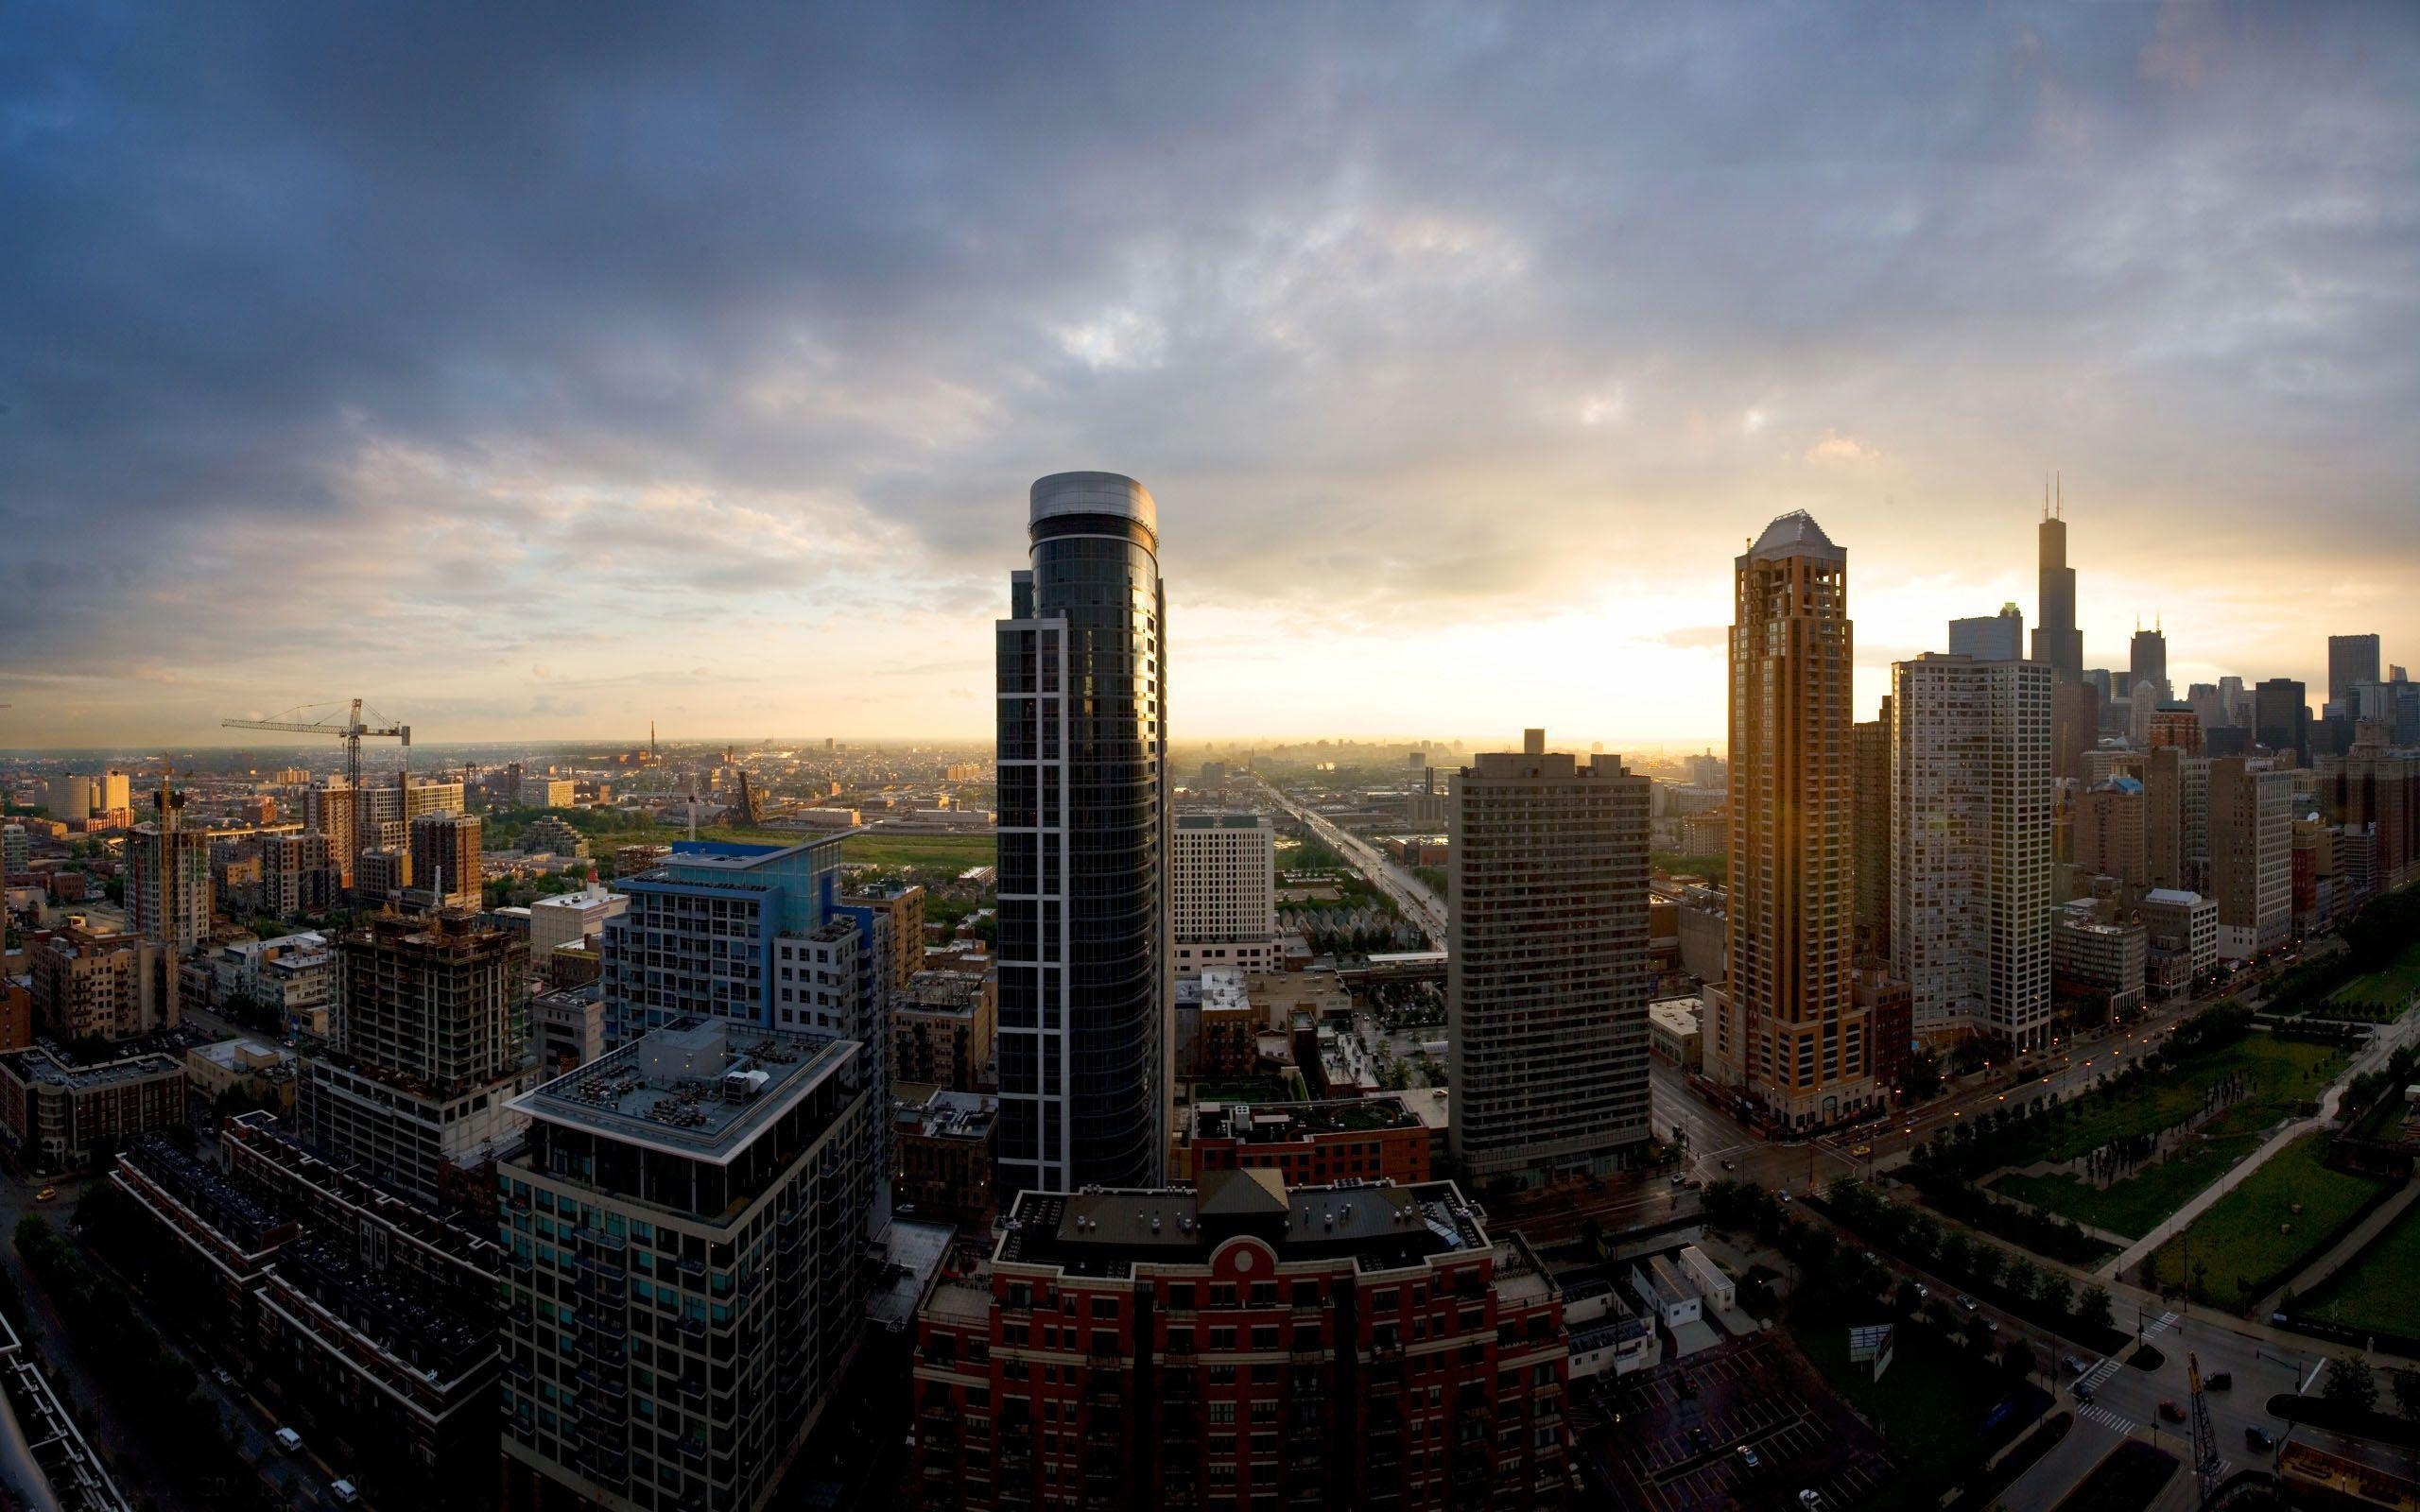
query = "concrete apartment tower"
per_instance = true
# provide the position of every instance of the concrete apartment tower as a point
(1784, 1028)
(2252, 855)
(1546, 980)
(1970, 846)
(1086, 992)
(1223, 887)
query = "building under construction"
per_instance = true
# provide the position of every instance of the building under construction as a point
(430, 1041)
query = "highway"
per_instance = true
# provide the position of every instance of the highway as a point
(1426, 910)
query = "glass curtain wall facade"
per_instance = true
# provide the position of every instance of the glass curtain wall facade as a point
(1086, 996)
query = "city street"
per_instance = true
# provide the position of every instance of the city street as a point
(1426, 910)
(297, 1480)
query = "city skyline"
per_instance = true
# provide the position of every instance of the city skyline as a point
(686, 423)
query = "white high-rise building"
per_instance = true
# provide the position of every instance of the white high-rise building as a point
(1970, 845)
(1225, 892)
(2252, 855)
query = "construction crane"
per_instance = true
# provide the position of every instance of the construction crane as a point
(2207, 1467)
(348, 727)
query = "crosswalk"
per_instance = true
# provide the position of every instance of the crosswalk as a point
(2092, 1379)
(2167, 1321)
(2116, 1422)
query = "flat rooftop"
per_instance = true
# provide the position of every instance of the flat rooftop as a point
(1273, 1122)
(43, 1066)
(1108, 1232)
(941, 989)
(702, 1088)
(1221, 821)
(732, 855)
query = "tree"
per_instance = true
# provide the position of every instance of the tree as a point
(2019, 1360)
(2058, 1295)
(2407, 1393)
(2093, 1311)
(2351, 1384)
(2024, 1278)
(1924, 1076)
(1984, 1263)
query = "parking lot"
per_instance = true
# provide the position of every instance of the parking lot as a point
(1688, 1432)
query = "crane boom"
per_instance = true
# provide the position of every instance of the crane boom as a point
(348, 727)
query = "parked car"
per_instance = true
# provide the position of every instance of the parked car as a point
(1783, 1193)
(1700, 1441)
(2072, 1365)
(1968, 1302)
(344, 1492)
(48, 1194)
(1730, 1165)
(1748, 1457)
(2218, 1380)
(2259, 1439)
(1923, 1292)
(1991, 1325)
(1860, 1151)
(288, 1441)
(2170, 1412)
(1811, 1500)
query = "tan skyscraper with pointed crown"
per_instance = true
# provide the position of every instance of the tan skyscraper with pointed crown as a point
(1783, 1029)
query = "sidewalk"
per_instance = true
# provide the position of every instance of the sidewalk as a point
(2382, 1046)
(2354, 1242)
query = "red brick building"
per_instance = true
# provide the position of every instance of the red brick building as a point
(1244, 1345)
(1365, 1138)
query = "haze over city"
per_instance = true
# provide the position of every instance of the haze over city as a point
(692, 369)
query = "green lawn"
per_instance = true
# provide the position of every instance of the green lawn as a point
(2253, 1234)
(2383, 992)
(2135, 1206)
(1929, 1405)
(2376, 1291)
(2284, 1074)
(936, 853)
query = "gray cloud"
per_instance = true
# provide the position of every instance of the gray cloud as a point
(332, 338)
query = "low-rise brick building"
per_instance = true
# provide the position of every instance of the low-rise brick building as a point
(1347, 1138)
(1244, 1345)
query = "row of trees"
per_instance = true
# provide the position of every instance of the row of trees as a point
(2042, 1232)
(2023, 1286)
(2352, 1384)
(2374, 939)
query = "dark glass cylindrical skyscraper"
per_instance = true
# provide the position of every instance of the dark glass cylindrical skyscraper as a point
(1085, 1000)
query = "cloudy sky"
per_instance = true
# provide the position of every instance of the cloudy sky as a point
(538, 371)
